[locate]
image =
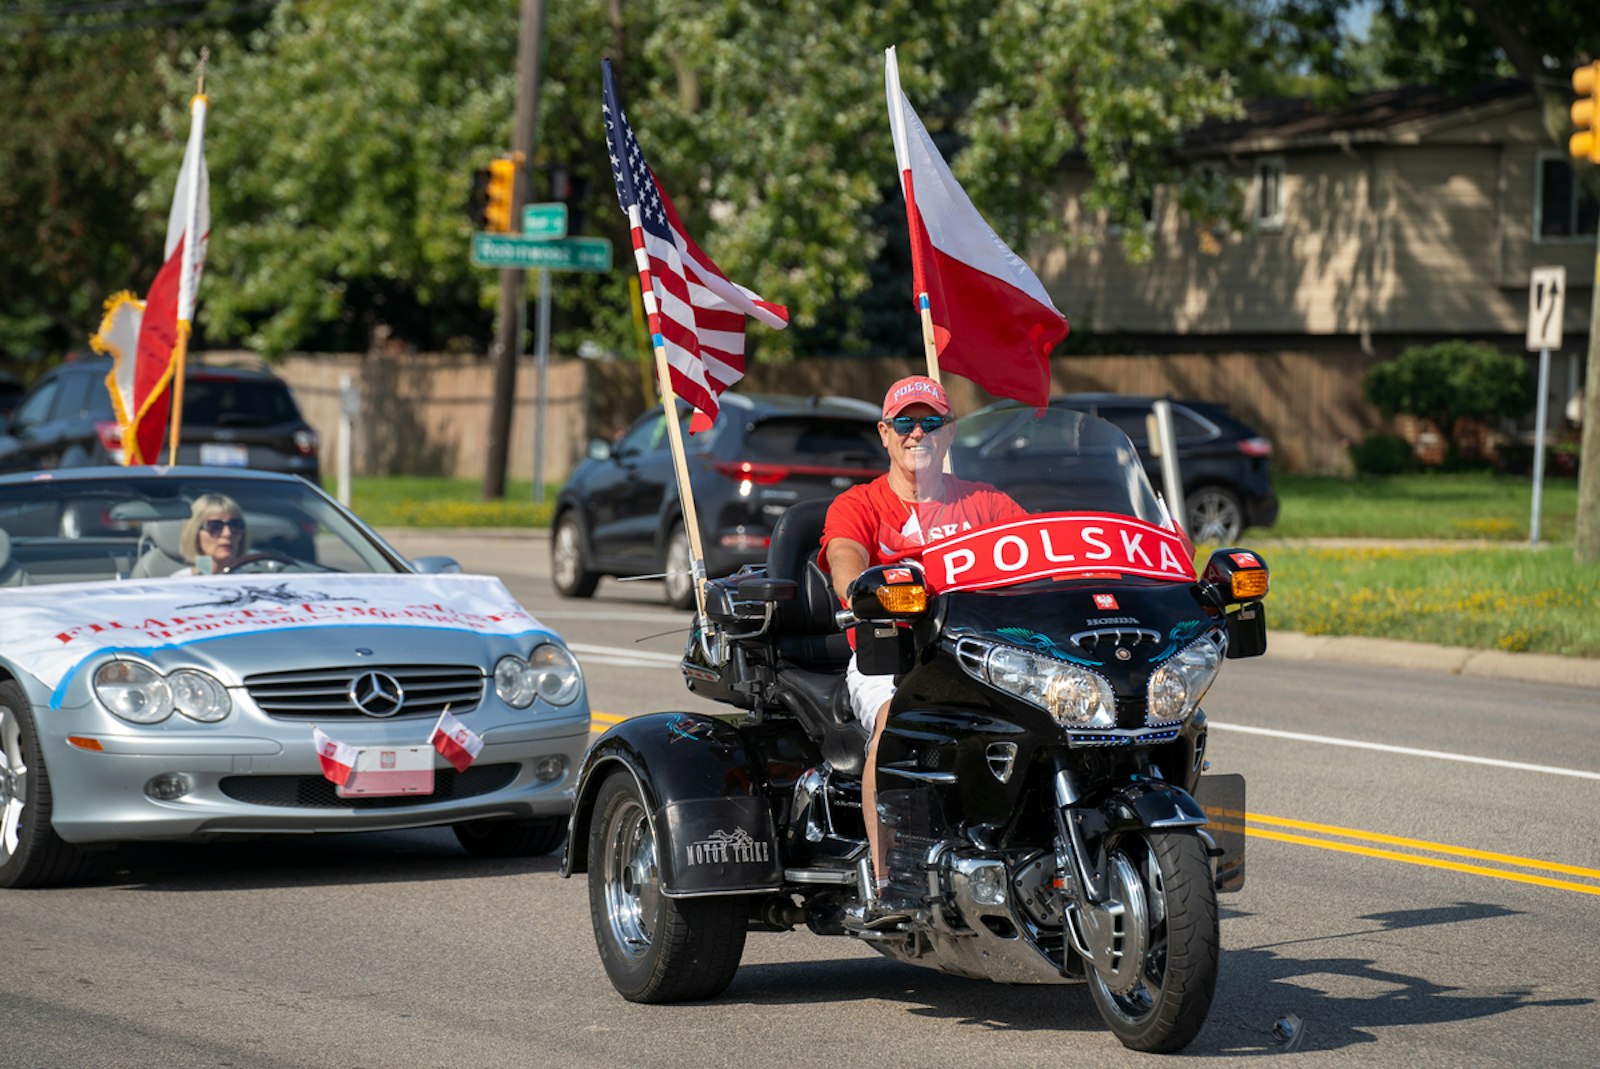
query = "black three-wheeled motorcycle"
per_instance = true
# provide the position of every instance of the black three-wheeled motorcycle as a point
(1038, 778)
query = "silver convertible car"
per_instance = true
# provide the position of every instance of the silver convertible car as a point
(190, 653)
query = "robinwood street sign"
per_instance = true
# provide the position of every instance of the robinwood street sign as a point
(562, 254)
(1547, 298)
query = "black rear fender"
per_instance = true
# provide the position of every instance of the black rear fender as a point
(703, 789)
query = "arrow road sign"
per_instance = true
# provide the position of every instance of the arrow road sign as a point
(1547, 298)
(544, 220)
(562, 254)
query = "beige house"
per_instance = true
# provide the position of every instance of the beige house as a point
(1407, 215)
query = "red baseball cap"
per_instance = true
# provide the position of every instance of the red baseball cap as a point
(915, 390)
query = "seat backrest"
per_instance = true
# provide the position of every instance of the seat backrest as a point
(160, 551)
(793, 555)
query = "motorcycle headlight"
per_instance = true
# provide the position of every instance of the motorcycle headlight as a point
(559, 679)
(1076, 697)
(1178, 685)
(515, 681)
(199, 696)
(132, 691)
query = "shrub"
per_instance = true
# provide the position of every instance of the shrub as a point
(1381, 454)
(1452, 381)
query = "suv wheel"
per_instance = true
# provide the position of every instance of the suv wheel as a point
(1215, 515)
(567, 572)
(680, 570)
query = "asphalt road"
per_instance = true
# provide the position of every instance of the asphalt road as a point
(1424, 885)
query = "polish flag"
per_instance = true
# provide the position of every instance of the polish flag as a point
(458, 743)
(993, 322)
(338, 758)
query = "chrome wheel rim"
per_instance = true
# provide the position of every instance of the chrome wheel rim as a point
(631, 881)
(13, 782)
(1134, 982)
(567, 554)
(1214, 518)
(680, 578)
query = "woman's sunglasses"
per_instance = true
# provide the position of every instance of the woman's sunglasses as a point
(215, 527)
(903, 425)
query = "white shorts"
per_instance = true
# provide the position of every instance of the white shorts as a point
(867, 693)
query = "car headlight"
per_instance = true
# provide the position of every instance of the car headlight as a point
(1178, 685)
(199, 696)
(1076, 697)
(134, 692)
(559, 677)
(515, 681)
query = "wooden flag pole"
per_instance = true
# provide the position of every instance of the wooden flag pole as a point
(186, 280)
(680, 468)
(931, 350)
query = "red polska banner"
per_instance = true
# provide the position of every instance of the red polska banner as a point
(1058, 545)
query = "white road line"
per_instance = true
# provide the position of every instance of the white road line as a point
(1407, 751)
(622, 655)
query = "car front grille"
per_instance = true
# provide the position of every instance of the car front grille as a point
(428, 689)
(314, 792)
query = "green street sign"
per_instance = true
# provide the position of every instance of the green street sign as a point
(561, 254)
(544, 220)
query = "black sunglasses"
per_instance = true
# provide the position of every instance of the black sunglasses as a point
(903, 424)
(214, 527)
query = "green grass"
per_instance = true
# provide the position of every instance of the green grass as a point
(1514, 598)
(1509, 597)
(1470, 505)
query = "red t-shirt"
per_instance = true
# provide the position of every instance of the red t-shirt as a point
(892, 528)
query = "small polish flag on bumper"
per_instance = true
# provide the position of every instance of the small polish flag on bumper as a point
(338, 758)
(458, 743)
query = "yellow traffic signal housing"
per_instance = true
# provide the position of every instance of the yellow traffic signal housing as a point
(1585, 144)
(497, 204)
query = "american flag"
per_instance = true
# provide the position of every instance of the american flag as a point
(696, 314)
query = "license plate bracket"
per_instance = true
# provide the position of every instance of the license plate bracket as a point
(386, 771)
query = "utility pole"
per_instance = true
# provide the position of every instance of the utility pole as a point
(1586, 544)
(508, 329)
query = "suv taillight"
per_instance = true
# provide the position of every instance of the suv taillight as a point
(760, 474)
(306, 442)
(1255, 447)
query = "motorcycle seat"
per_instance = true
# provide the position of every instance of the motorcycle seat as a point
(804, 629)
(819, 701)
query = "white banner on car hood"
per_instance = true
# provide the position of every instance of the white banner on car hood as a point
(47, 631)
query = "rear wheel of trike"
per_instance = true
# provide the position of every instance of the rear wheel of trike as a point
(654, 948)
(1155, 985)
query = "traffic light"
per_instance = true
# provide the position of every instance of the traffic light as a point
(478, 202)
(497, 206)
(1585, 144)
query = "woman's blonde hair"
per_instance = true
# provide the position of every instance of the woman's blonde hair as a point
(210, 507)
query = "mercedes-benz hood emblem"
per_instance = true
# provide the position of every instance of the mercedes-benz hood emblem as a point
(377, 694)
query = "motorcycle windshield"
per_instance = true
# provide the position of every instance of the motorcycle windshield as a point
(1009, 495)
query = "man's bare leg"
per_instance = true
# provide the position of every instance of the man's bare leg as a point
(876, 844)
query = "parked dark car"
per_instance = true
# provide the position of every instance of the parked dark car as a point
(1224, 463)
(618, 514)
(232, 417)
(11, 391)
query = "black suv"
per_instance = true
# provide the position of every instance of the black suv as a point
(1224, 463)
(618, 514)
(232, 417)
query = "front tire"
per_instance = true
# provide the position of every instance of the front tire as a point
(1158, 1001)
(654, 948)
(511, 838)
(567, 572)
(31, 853)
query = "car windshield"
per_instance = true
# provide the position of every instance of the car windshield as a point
(129, 527)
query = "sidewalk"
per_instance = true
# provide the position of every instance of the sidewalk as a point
(505, 549)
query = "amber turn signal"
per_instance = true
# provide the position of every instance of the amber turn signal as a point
(1250, 583)
(908, 599)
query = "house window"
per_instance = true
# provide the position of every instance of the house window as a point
(1564, 207)
(1269, 193)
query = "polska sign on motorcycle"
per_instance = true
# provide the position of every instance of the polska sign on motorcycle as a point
(1076, 545)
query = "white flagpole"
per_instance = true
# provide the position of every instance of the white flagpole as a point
(192, 239)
